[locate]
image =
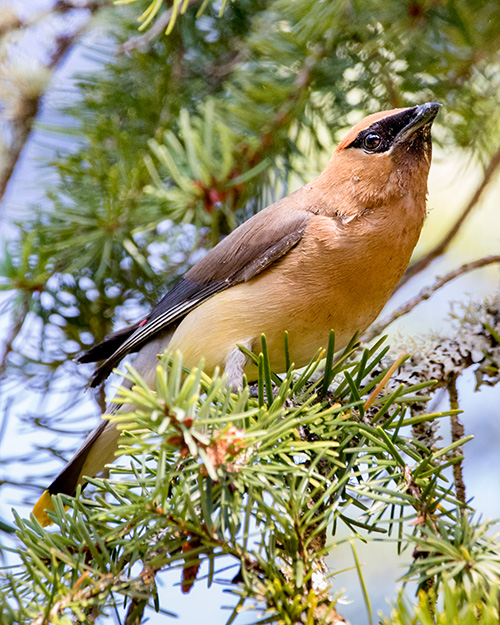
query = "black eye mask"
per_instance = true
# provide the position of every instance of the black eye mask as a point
(380, 136)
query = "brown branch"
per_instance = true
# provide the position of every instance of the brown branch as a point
(221, 70)
(21, 131)
(16, 328)
(100, 398)
(443, 245)
(145, 589)
(457, 432)
(427, 292)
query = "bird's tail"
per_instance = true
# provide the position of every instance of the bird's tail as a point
(97, 451)
(102, 443)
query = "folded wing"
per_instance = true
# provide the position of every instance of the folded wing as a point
(246, 252)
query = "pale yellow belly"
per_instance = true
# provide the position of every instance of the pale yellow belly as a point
(239, 316)
(268, 305)
(327, 282)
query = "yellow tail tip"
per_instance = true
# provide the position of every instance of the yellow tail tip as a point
(41, 507)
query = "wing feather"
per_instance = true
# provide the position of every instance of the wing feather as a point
(246, 252)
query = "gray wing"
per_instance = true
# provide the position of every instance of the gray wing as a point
(246, 252)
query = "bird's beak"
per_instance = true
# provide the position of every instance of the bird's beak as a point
(424, 116)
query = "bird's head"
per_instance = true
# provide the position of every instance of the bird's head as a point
(386, 154)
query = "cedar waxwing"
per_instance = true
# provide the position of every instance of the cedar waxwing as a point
(326, 257)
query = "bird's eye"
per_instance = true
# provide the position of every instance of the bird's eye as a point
(372, 141)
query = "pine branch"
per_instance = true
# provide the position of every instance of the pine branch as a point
(200, 497)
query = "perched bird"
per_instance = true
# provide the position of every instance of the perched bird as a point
(326, 257)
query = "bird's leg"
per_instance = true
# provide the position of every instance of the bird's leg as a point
(235, 364)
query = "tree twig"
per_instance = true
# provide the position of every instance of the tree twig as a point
(29, 105)
(443, 245)
(19, 319)
(141, 42)
(427, 292)
(457, 432)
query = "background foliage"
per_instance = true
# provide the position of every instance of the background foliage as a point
(176, 140)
